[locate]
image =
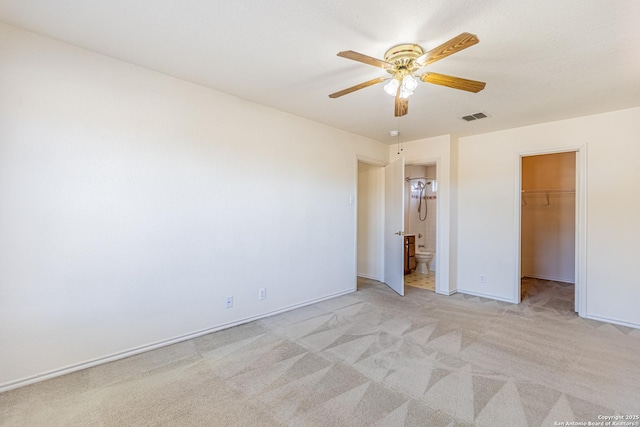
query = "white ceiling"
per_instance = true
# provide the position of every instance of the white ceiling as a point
(543, 60)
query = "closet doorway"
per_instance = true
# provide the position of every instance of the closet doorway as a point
(548, 231)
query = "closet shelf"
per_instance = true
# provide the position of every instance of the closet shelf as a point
(545, 192)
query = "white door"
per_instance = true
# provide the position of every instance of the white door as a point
(394, 225)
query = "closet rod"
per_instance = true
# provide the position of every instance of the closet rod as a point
(548, 191)
(545, 192)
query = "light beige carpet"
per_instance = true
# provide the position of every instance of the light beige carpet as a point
(368, 358)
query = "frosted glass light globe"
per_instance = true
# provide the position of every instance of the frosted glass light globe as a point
(409, 83)
(392, 87)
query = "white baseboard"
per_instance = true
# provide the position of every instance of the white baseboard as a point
(541, 277)
(137, 350)
(614, 321)
(588, 316)
(366, 276)
(494, 297)
(447, 293)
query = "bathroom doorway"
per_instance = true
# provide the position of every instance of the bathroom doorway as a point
(420, 225)
(548, 231)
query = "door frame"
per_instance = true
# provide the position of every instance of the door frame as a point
(442, 258)
(580, 257)
(445, 224)
(445, 284)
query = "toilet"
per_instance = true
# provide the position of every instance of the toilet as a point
(422, 259)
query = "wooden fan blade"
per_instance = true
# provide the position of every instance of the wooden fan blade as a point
(402, 105)
(369, 60)
(454, 45)
(358, 87)
(454, 82)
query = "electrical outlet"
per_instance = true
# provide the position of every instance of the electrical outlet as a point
(262, 293)
(228, 302)
(483, 278)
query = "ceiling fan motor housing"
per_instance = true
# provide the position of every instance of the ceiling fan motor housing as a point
(403, 58)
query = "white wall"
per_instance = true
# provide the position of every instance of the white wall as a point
(487, 233)
(128, 207)
(370, 221)
(428, 151)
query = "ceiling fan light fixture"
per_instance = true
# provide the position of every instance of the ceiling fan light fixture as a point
(409, 83)
(392, 87)
(405, 93)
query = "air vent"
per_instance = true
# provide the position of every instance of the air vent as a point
(476, 116)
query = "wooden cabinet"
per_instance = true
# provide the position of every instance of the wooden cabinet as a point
(409, 254)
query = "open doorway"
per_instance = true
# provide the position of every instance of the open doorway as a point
(370, 223)
(420, 225)
(381, 226)
(380, 223)
(548, 231)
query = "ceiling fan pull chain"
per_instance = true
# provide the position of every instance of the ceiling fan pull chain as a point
(400, 146)
(399, 140)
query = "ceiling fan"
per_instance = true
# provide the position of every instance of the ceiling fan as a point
(403, 60)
